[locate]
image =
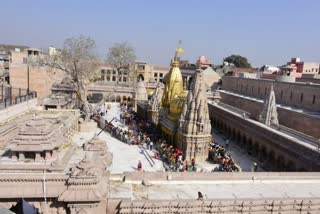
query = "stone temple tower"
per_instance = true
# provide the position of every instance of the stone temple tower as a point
(269, 115)
(155, 103)
(140, 93)
(194, 131)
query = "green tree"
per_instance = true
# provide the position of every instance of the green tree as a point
(238, 61)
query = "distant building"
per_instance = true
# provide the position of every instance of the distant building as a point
(24, 74)
(203, 62)
(305, 67)
(151, 75)
(244, 72)
(295, 69)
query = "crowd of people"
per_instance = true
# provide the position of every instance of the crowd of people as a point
(219, 155)
(135, 132)
(141, 132)
(173, 158)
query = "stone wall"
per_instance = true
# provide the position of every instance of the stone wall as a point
(220, 204)
(40, 78)
(203, 177)
(17, 109)
(274, 149)
(301, 122)
(228, 206)
(299, 95)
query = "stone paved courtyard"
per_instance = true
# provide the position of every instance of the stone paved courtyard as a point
(126, 157)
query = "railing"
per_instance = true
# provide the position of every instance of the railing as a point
(234, 109)
(11, 96)
(299, 135)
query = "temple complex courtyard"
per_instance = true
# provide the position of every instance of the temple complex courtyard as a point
(126, 157)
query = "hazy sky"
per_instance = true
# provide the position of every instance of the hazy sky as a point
(265, 31)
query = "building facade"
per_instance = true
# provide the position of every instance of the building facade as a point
(25, 74)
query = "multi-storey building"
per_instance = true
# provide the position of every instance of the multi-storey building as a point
(25, 74)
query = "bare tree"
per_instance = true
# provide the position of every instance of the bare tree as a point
(78, 61)
(121, 56)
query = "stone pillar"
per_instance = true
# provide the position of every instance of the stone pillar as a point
(54, 154)
(38, 156)
(61, 210)
(21, 156)
(47, 155)
(13, 155)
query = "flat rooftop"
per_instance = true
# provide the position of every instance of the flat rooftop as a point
(217, 186)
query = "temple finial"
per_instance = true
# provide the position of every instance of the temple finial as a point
(176, 58)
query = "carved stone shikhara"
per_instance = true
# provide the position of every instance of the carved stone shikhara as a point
(182, 113)
(269, 115)
(40, 149)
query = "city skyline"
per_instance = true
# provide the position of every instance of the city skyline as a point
(265, 32)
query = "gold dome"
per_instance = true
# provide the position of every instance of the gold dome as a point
(176, 106)
(174, 95)
(174, 84)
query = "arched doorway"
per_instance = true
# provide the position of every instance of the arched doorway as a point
(238, 137)
(140, 77)
(272, 160)
(263, 154)
(233, 134)
(250, 147)
(244, 141)
(256, 149)
(291, 167)
(280, 163)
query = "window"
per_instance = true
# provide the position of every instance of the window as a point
(155, 74)
(108, 72)
(102, 74)
(301, 98)
(124, 79)
(113, 78)
(161, 74)
(314, 99)
(141, 67)
(108, 78)
(114, 72)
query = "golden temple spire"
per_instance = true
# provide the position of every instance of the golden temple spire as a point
(174, 82)
(176, 59)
